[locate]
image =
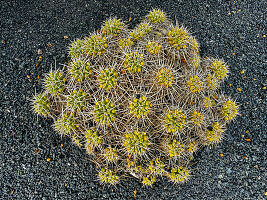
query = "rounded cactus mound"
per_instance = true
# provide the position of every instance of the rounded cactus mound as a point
(139, 101)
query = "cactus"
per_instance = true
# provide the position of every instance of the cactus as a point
(139, 101)
(111, 154)
(77, 48)
(153, 47)
(93, 139)
(126, 43)
(219, 69)
(95, 45)
(207, 102)
(156, 166)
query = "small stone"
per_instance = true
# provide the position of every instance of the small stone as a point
(220, 176)
(39, 51)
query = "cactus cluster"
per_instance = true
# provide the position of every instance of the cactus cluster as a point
(139, 101)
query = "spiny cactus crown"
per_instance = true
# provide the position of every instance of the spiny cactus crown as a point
(139, 101)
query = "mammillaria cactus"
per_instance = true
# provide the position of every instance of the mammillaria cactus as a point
(139, 101)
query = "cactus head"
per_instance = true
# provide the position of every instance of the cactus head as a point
(93, 138)
(179, 175)
(55, 82)
(140, 31)
(149, 180)
(214, 134)
(211, 82)
(108, 176)
(156, 16)
(77, 100)
(153, 48)
(80, 70)
(111, 154)
(175, 149)
(174, 121)
(104, 112)
(197, 118)
(195, 84)
(178, 38)
(108, 78)
(194, 61)
(136, 142)
(41, 104)
(208, 102)
(229, 110)
(77, 48)
(219, 69)
(134, 62)
(193, 44)
(66, 124)
(126, 43)
(156, 166)
(140, 107)
(165, 77)
(112, 27)
(95, 45)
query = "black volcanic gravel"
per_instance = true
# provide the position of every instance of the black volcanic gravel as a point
(232, 30)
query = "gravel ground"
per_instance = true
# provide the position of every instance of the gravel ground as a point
(232, 30)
